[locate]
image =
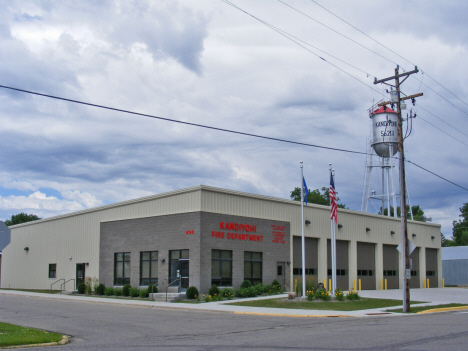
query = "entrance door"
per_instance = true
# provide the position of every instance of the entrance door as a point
(280, 274)
(80, 273)
(184, 274)
(179, 268)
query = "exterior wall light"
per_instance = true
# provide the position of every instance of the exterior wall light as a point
(70, 258)
(433, 237)
(26, 249)
(307, 221)
(163, 260)
(340, 226)
(367, 229)
(392, 232)
(414, 235)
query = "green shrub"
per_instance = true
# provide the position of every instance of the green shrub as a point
(206, 299)
(352, 295)
(81, 288)
(260, 289)
(109, 291)
(134, 291)
(144, 293)
(152, 289)
(126, 290)
(322, 294)
(118, 291)
(88, 283)
(100, 289)
(191, 293)
(339, 294)
(276, 284)
(246, 292)
(246, 284)
(227, 293)
(213, 291)
(217, 298)
(310, 295)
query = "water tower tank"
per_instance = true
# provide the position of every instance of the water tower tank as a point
(385, 131)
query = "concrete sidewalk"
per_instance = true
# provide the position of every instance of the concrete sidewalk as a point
(436, 296)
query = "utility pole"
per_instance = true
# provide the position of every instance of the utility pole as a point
(404, 225)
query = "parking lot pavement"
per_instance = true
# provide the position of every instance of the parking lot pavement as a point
(435, 296)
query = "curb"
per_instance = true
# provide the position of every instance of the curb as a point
(445, 309)
(65, 340)
(293, 315)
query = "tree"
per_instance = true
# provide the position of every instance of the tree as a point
(21, 218)
(418, 213)
(315, 197)
(460, 227)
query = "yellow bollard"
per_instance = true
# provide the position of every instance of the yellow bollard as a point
(424, 283)
(359, 284)
(385, 284)
(325, 284)
(329, 285)
(443, 283)
(428, 283)
(381, 284)
(354, 285)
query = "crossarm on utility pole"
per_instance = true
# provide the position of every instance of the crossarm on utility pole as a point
(402, 99)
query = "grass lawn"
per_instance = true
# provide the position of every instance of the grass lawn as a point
(362, 304)
(426, 308)
(11, 335)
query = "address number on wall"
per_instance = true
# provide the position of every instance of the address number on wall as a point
(190, 232)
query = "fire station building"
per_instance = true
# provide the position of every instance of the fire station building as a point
(203, 235)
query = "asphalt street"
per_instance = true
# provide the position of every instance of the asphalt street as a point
(97, 325)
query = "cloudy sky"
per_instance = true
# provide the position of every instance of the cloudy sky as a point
(209, 63)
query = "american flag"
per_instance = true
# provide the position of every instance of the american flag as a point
(333, 207)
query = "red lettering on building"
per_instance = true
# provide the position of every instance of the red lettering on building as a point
(238, 227)
(278, 232)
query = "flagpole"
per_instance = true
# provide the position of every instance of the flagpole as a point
(302, 227)
(333, 240)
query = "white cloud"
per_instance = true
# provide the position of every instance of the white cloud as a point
(205, 62)
(39, 202)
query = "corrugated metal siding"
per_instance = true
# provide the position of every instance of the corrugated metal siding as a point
(455, 253)
(76, 236)
(455, 272)
(354, 223)
(54, 240)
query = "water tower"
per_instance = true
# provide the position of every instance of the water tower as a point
(382, 147)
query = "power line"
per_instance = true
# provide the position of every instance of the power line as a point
(182, 122)
(295, 40)
(438, 176)
(313, 19)
(376, 41)
(291, 38)
(209, 127)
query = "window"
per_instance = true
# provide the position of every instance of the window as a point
(253, 267)
(414, 273)
(148, 268)
(122, 268)
(279, 270)
(389, 273)
(308, 271)
(52, 270)
(221, 267)
(338, 272)
(365, 272)
(430, 273)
